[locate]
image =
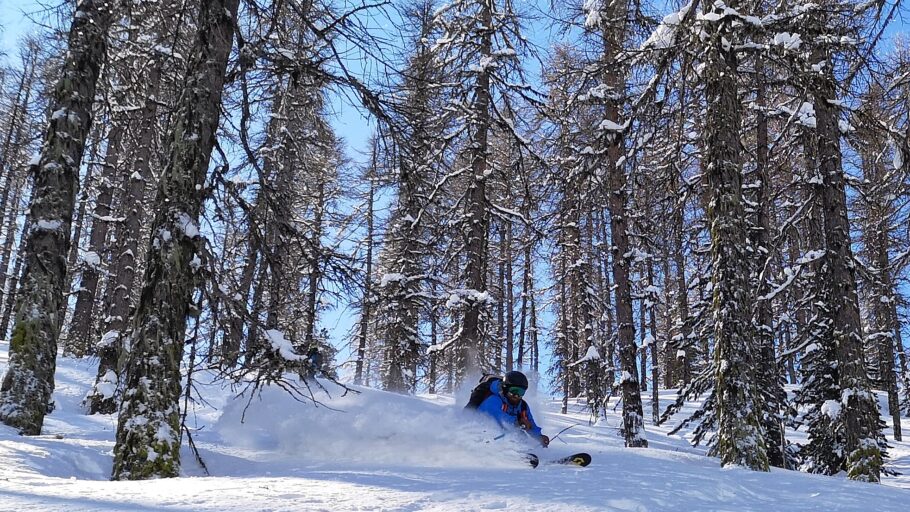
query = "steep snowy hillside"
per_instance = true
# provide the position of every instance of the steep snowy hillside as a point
(381, 451)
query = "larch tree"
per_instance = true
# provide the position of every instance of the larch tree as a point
(149, 429)
(878, 213)
(478, 49)
(29, 381)
(609, 23)
(17, 130)
(420, 142)
(854, 412)
(740, 436)
(160, 49)
(768, 373)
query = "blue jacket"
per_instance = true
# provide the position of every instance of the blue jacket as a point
(507, 415)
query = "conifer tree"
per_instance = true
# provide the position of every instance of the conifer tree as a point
(738, 404)
(608, 21)
(401, 291)
(478, 50)
(29, 381)
(149, 429)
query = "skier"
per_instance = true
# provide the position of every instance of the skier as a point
(314, 359)
(501, 399)
(312, 365)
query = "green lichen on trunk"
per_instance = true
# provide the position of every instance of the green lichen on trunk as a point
(148, 441)
(28, 384)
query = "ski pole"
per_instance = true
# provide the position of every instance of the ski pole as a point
(563, 430)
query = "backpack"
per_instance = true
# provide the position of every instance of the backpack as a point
(482, 390)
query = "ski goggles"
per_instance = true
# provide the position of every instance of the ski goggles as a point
(517, 391)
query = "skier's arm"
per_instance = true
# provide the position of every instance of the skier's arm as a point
(535, 429)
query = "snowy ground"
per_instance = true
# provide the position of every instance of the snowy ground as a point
(380, 451)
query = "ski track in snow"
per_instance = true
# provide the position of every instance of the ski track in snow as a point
(389, 452)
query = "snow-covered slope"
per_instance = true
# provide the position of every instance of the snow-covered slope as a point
(379, 451)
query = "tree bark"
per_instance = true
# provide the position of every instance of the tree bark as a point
(125, 262)
(7, 298)
(367, 301)
(470, 338)
(13, 281)
(509, 299)
(655, 368)
(82, 328)
(768, 373)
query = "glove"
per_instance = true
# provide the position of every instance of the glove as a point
(544, 441)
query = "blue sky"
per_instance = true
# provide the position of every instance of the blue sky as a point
(12, 22)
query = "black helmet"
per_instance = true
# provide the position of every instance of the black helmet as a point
(515, 378)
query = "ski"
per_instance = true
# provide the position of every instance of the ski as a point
(576, 459)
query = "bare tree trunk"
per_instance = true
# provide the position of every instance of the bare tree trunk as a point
(643, 353)
(16, 128)
(563, 336)
(254, 350)
(82, 199)
(526, 285)
(901, 356)
(80, 338)
(532, 331)
(613, 40)
(860, 415)
(434, 339)
(29, 381)
(885, 332)
(231, 344)
(740, 437)
(149, 430)
(14, 182)
(605, 271)
(120, 282)
(13, 281)
(367, 301)
(768, 374)
(682, 298)
(500, 303)
(509, 299)
(655, 369)
(315, 270)
(7, 298)
(670, 366)
(878, 232)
